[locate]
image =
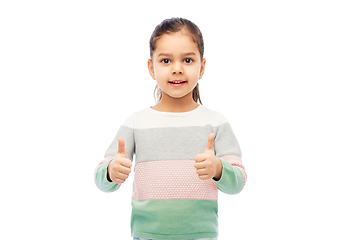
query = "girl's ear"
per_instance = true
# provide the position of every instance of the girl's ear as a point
(151, 69)
(202, 68)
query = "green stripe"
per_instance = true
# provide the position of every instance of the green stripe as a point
(174, 219)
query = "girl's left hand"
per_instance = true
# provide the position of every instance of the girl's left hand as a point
(207, 165)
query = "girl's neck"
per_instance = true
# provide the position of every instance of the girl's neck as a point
(169, 104)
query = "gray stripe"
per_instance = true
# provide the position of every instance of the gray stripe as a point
(183, 142)
(128, 135)
(225, 141)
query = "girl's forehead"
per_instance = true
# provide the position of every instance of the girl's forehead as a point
(176, 42)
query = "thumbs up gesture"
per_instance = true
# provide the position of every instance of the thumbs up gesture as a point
(120, 167)
(207, 165)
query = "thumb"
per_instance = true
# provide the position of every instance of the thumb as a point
(121, 148)
(210, 142)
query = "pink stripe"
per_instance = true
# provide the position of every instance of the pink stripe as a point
(171, 179)
(236, 161)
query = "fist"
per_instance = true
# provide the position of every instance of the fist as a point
(207, 165)
(120, 167)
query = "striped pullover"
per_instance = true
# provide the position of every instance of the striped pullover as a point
(169, 201)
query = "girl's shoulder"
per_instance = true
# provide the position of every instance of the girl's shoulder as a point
(214, 114)
(135, 116)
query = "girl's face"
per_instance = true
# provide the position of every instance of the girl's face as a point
(176, 65)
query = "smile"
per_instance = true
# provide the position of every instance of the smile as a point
(177, 83)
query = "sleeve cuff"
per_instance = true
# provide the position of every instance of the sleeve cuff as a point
(231, 181)
(101, 178)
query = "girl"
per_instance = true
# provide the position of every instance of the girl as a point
(184, 152)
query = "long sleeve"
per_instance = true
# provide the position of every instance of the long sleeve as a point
(233, 176)
(126, 131)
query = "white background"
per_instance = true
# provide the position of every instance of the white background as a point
(284, 73)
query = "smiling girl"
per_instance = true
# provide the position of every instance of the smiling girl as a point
(183, 152)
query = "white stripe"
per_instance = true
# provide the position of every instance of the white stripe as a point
(150, 118)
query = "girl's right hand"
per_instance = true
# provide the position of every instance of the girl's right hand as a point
(120, 167)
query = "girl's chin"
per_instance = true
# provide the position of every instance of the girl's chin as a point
(178, 95)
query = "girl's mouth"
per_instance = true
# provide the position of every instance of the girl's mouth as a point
(177, 83)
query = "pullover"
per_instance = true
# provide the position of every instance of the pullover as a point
(169, 201)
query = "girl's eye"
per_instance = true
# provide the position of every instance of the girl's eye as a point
(166, 61)
(188, 60)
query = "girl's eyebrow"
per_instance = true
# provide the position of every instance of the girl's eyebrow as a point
(165, 55)
(170, 55)
(189, 53)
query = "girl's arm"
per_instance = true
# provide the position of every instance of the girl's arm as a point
(102, 178)
(227, 149)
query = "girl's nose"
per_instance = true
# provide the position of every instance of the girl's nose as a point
(177, 69)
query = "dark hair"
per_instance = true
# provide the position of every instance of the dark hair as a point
(174, 25)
